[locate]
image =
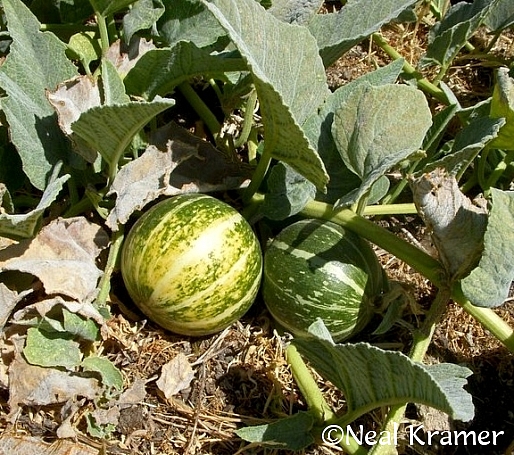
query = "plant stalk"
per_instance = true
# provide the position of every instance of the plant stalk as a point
(421, 341)
(316, 402)
(422, 82)
(112, 259)
(201, 108)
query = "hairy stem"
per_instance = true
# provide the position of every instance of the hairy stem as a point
(201, 108)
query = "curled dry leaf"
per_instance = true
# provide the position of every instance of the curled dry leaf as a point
(8, 301)
(62, 256)
(125, 57)
(178, 162)
(176, 375)
(457, 223)
(140, 182)
(26, 445)
(35, 386)
(43, 307)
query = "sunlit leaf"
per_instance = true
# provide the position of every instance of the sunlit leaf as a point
(288, 75)
(36, 62)
(377, 128)
(488, 285)
(371, 377)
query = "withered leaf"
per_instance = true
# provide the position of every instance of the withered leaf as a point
(457, 224)
(34, 386)
(176, 162)
(176, 375)
(27, 445)
(62, 256)
(8, 301)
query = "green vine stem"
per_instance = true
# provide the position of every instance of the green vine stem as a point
(422, 82)
(112, 259)
(201, 108)
(310, 390)
(104, 33)
(316, 402)
(259, 173)
(251, 103)
(420, 343)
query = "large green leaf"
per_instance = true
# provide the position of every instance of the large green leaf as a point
(109, 129)
(371, 377)
(448, 37)
(295, 11)
(501, 16)
(159, 71)
(488, 285)
(376, 128)
(318, 128)
(288, 75)
(36, 62)
(502, 105)
(142, 16)
(188, 20)
(337, 33)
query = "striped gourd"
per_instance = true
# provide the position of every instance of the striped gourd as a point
(192, 264)
(315, 269)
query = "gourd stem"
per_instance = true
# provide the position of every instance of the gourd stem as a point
(104, 33)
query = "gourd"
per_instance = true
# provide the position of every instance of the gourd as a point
(192, 264)
(315, 269)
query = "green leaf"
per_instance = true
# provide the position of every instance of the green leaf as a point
(288, 192)
(376, 128)
(159, 71)
(111, 376)
(501, 16)
(468, 143)
(318, 129)
(107, 7)
(295, 11)
(502, 105)
(290, 433)
(78, 326)
(188, 20)
(450, 35)
(114, 90)
(488, 285)
(288, 75)
(85, 47)
(336, 33)
(51, 349)
(143, 15)
(18, 226)
(371, 377)
(110, 129)
(36, 62)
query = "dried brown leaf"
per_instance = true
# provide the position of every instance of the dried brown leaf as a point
(62, 256)
(26, 445)
(125, 57)
(176, 375)
(8, 301)
(34, 386)
(457, 224)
